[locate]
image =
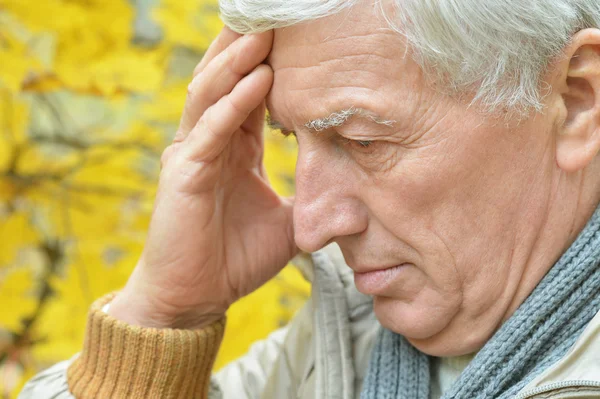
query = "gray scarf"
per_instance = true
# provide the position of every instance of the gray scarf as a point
(540, 332)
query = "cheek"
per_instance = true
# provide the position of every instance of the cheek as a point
(408, 204)
(415, 199)
(456, 204)
(464, 186)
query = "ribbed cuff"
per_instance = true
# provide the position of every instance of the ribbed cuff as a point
(123, 361)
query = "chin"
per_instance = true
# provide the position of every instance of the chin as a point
(430, 329)
(449, 343)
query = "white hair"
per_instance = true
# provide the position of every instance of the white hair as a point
(497, 50)
(339, 118)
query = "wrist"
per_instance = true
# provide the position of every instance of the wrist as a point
(145, 311)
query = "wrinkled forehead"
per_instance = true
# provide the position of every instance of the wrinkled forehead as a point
(357, 30)
(335, 62)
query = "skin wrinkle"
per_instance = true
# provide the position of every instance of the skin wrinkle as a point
(414, 138)
(333, 39)
(331, 75)
(348, 56)
(518, 274)
(466, 44)
(522, 272)
(466, 203)
(279, 124)
(370, 50)
(529, 258)
(422, 118)
(360, 36)
(356, 59)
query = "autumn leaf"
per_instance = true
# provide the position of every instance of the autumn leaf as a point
(16, 294)
(86, 107)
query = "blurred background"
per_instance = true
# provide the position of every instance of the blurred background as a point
(90, 94)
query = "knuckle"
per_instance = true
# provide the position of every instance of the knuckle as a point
(236, 108)
(206, 126)
(192, 87)
(231, 62)
(166, 155)
(199, 68)
(197, 86)
(179, 136)
(200, 89)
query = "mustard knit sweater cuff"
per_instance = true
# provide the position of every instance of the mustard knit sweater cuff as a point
(123, 361)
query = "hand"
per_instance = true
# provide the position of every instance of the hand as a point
(218, 230)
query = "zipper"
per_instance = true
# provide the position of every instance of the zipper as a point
(558, 385)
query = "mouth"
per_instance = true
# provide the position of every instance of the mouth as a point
(377, 282)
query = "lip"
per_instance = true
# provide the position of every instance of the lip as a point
(376, 282)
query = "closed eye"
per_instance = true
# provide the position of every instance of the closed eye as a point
(361, 144)
(277, 126)
(287, 133)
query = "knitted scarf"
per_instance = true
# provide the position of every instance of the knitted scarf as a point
(539, 333)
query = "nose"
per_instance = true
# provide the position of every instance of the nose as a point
(327, 204)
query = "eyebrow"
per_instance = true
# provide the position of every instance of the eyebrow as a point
(276, 125)
(335, 119)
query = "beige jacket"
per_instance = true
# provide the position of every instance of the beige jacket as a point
(325, 350)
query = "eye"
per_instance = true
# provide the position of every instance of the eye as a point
(287, 133)
(359, 145)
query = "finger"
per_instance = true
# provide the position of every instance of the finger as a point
(255, 125)
(168, 154)
(221, 75)
(218, 124)
(223, 40)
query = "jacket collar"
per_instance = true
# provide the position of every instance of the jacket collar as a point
(577, 371)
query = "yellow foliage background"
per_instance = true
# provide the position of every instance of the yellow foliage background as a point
(90, 94)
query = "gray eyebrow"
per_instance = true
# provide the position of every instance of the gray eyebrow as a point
(276, 125)
(336, 119)
(339, 118)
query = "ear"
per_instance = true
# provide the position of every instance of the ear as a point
(578, 140)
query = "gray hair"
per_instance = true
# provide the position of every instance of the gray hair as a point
(497, 50)
(339, 118)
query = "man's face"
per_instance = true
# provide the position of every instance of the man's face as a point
(447, 200)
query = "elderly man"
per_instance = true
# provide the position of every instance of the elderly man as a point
(448, 165)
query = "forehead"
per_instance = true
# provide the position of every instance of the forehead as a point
(348, 60)
(361, 25)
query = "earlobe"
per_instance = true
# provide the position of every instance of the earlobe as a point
(576, 150)
(578, 140)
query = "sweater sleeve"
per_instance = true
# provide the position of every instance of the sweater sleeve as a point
(123, 361)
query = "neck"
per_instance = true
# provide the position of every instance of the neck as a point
(572, 202)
